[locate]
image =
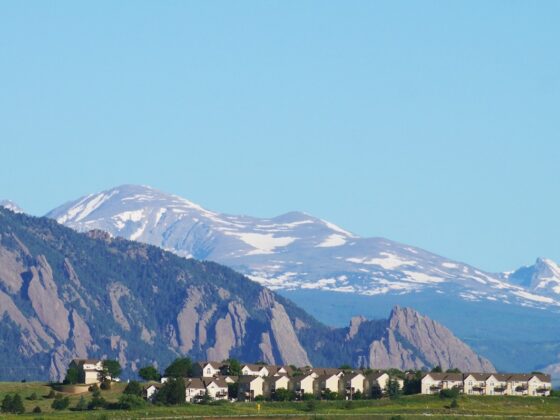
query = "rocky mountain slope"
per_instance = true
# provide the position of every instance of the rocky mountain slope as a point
(64, 294)
(289, 252)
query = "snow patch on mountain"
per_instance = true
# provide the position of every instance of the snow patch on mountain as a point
(10, 205)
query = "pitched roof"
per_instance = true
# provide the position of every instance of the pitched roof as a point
(253, 367)
(215, 365)
(88, 361)
(218, 381)
(245, 379)
(195, 383)
(478, 376)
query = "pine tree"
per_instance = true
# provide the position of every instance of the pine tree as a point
(7, 404)
(17, 405)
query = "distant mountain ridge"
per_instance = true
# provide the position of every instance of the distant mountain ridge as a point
(291, 251)
(65, 294)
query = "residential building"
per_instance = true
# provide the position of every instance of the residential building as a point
(90, 370)
(250, 387)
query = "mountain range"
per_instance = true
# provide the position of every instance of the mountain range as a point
(334, 274)
(298, 251)
(65, 294)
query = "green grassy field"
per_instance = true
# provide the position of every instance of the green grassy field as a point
(409, 407)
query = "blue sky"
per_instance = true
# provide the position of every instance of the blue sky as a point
(430, 123)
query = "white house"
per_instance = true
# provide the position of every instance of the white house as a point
(378, 379)
(151, 391)
(90, 370)
(194, 389)
(254, 370)
(250, 387)
(475, 383)
(330, 383)
(305, 384)
(354, 382)
(216, 388)
(206, 369)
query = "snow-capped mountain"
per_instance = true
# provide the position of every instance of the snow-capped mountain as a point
(294, 250)
(10, 205)
(542, 278)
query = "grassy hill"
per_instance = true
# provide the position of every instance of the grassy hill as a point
(416, 406)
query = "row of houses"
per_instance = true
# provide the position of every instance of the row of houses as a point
(266, 380)
(537, 384)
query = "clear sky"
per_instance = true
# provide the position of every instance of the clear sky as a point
(431, 123)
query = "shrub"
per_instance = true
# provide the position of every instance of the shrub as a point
(133, 388)
(37, 410)
(111, 368)
(51, 394)
(179, 368)
(33, 397)
(7, 404)
(72, 375)
(60, 403)
(376, 392)
(259, 398)
(17, 405)
(171, 393)
(454, 404)
(105, 385)
(393, 388)
(307, 397)
(130, 402)
(311, 405)
(93, 388)
(283, 395)
(149, 373)
(449, 393)
(12, 405)
(81, 405)
(97, 401)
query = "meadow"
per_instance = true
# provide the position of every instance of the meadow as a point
(409, 407)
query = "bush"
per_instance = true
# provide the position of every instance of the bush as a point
(7, 404)
(149, 373)
(130, 402)
(33, 397)
(12, 405)
(329, 395)
(111, 368)
(179, 368)
(60, 403)
(171, 393)
(133, 388)
(449, 393)
(259, 398)
(283, 395)
(393, 388)
(97, 401)
(308, 397)
(82, 405)
(51, 394)
(37, 410)
(311, 405)
(93, 388)
(72, 375)
(105, 385)
(376, 392)
(454, 404)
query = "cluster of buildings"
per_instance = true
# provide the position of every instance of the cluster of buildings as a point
(213, 380)
(258, 380)
(532, 384)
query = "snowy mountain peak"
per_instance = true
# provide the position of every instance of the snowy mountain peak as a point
(543, 277)
(10, 205)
